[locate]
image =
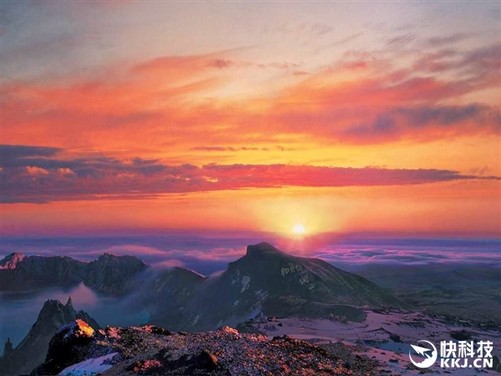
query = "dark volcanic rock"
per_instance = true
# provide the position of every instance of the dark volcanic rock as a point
(68, 346)
(142, 351)
(113, 275)
(109, 274)
(20, 273)
(32, 349)
(170, 294)
(7, 349)
(395, 337)
(460, 335)
(190, 364)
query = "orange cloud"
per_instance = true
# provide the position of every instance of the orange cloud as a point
(180, 100)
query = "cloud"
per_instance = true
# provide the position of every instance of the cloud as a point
(406, 255)
(28, 178)
(399, 121)
(401, 41)
(362, 98)
(447, 40)
(217, 148)
(366, 99)
(13, 152)
(227, 148)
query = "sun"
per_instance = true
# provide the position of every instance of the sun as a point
(298, 229)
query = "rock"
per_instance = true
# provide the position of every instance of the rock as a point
(113, 275)
(33, 348)
(223, 352)
(11, 261)
(22, 273)
(7, 349)
(144, 367)
(496, 364)
(395, 337)
(71, 344)
(460, 335)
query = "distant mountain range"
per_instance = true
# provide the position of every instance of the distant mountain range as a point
(108, 274)
(32, 349)
(265, 280)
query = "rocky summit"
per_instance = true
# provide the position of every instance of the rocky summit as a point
(32, 349)
(152, 350)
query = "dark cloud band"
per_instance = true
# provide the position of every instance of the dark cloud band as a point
(36, 174)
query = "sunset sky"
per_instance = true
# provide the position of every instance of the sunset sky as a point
(124, 117)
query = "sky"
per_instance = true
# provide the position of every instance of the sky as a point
(128, 117)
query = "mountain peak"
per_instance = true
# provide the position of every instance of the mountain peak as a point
(107, 256)
(52, 307)
(8, 348)
(32, 350)
(11, 261)
(49, 303)
(112, 274)
(263, 249)
(111, 258)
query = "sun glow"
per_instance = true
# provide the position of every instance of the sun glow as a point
(298, 229)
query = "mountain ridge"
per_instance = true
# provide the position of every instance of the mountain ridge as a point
(265, 280)
(30, 352)
(108, 274)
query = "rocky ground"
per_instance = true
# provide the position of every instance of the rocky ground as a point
(149, 350)
(385, 336)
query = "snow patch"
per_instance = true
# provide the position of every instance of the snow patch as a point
(234, 280)
(11, 261)
(374, 334)
(195, 320)
(89, 367)
(245, 283)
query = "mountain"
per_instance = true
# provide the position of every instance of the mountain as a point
(32, 349)
(108, 274)
(264, 281)
(19, 272)
(171, 292)
(150, 350)
(113, 275)
(267, 280)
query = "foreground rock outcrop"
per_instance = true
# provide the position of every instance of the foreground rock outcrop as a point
(151, 350)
